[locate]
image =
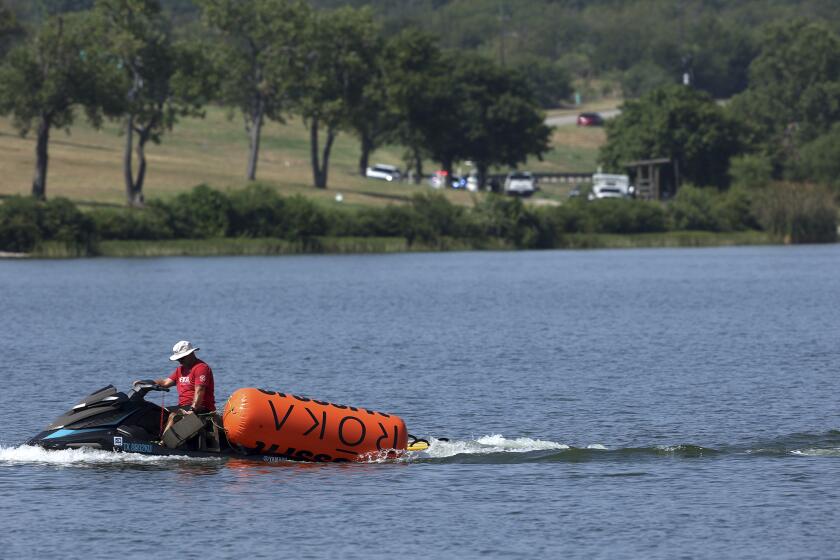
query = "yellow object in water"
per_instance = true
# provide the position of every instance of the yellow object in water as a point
(418, 446)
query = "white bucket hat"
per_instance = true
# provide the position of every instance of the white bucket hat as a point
(182, 348)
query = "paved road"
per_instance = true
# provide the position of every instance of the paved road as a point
(572, 119)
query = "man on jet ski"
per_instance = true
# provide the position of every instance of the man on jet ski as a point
(194, 381)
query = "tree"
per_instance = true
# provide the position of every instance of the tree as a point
(414, 63)
(42, 81)
(370, 116)
(156, 80)
(794, 90)
(462, 107)
(674, 122)
(262, 46)
(339, 67)
(500, 118)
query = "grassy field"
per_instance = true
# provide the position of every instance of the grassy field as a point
(86, 164)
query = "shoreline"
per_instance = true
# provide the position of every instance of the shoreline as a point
(382, 245)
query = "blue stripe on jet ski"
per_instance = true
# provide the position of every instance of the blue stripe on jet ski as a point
(65, 432)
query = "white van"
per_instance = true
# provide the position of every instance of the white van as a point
(605, 185)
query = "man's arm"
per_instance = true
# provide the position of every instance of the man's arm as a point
(164, 382)
(199, 395)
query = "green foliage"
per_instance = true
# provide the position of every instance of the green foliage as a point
(626, 216)
(25, 223)
(644, 77)
(737, 210)
(794, 90)
(259, 50)
(390, 221)
(694, 209)
(149, 223)
(302, 219)
(20, 230)
(339, 70)
(61, 221)
(751, 170)
(9, 28)
(416, 91)
(257, 211)
(258, 46)
(500, 122)
(46, 77)
(549, 81)
(818, 160)
(799, 213)
(679, 123)
(200, 213)
(616, 216)
(707, 209)
(434, 217)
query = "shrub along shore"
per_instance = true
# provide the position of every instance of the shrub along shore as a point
(258, 221)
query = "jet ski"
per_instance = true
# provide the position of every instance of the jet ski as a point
(112, 420)
(125, 422)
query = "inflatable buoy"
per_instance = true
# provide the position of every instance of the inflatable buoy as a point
(306, 429)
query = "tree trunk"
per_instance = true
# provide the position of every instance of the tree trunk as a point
(134, 185)
(447, 166)
(135, 195)
(128, 172)
(418, 166)
(254, 128)
(39, 183)
(481, 169)
(325, 161)
(314, 152)
(364, 159)
(320, 162)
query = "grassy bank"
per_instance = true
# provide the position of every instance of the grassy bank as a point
(667, 239)
(86, 165)
(263, 246)
(354, 245)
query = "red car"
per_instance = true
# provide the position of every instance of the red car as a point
(590, 119)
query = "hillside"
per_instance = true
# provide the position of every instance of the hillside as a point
(86, 165)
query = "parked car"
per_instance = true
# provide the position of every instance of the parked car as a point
(438, 179)
(521, 183)
(605, 185)
(384, 172)
(590, 119)
(472, 181)
(458, 182)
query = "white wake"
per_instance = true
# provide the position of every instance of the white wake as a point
(70, 457)
(486, 445)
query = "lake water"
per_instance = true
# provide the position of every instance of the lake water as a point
(600, 404)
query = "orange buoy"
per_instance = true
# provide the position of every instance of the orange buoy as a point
(306, 429)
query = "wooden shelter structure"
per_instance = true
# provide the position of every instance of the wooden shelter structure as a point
(655, 179)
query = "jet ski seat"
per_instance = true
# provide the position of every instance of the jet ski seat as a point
(199, 431)
(183, 428)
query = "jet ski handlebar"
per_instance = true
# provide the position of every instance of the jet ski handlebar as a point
(145, 385)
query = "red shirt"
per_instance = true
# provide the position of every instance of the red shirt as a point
(188, 378)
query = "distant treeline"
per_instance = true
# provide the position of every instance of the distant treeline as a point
(639, 44)
(268, 60)
(792, 213)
